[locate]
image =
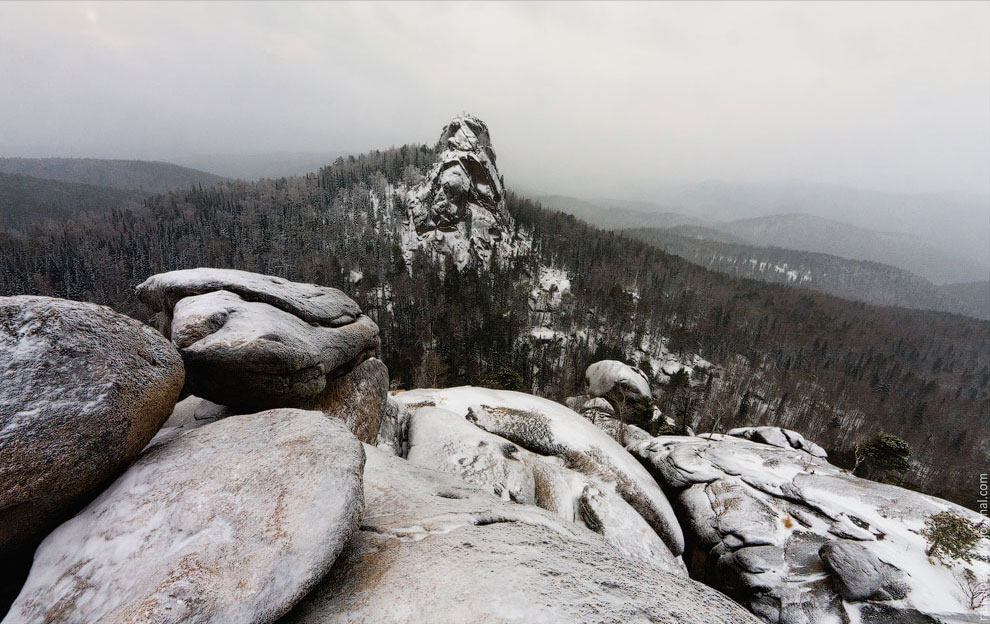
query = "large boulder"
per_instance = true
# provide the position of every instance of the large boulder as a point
(799, 541)
(252, 342)
(611, 378)
(433, 548)
(84, 390)
(231, 522)
(780, 437)
(550, 429)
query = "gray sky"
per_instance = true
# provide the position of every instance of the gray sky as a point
(581, 98)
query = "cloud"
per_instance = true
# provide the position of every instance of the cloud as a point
(606, 99)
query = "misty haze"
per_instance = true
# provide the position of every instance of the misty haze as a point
(495, 312)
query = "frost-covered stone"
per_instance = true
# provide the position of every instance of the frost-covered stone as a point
(231, 522)
(358, 398)
(319, 305)
(433, 548)
(459, 210)
(797, 540)
(548, 428)
(608, 376)
(777, 436)
(84, 389)
(250, 355)
(192, 409)
(443, 440)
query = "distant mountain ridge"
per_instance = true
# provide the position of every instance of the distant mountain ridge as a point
(137, 175)
(25, 200)
(940, 264)
(870, 282)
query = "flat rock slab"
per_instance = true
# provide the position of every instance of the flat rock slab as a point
(433, 548)
(230, 522)
(84, 390)
(320, 305)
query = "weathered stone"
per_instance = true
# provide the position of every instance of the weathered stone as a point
(231, 522)
(84, 389)
(358, 398)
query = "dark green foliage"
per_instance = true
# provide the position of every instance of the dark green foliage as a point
(883, 457)
(503, 379)
(950, 537)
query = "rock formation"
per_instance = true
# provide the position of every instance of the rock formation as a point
(797, 540)
(83, 390)
(253, 342)
(433, 548)
(231, 522)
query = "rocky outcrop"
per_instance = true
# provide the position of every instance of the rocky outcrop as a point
(459, 209)
(777, 436)
(84, 390)
(230, 522)
(550, 429)
(609, 378)
(433, 548)
(254, 342)
(799, 541)
(443, 440)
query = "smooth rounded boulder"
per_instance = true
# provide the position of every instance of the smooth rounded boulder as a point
(84, 390)
(230, 522)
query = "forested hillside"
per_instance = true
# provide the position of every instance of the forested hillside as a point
(25, 200)
(871, 282)
(138, 175)
(833, 369)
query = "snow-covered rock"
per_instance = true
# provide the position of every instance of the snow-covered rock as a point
(459, 209)
(433, 548)
(319, 305)
(231, 522)
(797, 540)
(549, 289)
(783, 438)
(358, 398)
(250, 355)
(604, 377)
(443, 440)
(83, 390)
(548, 428)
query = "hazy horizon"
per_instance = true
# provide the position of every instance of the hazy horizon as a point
(620, 100)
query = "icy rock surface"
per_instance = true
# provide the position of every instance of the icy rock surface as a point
(604, 377)
(550, 429)
(250, 355)
(164, 543)
(797, 540)
(433, 548)
(777, 436)
(459, 210)
(443, 440)
(84, 389)
(319, 305)
(358, 398)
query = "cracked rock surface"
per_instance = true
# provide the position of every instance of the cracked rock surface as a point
(799, 541)
(433, 548)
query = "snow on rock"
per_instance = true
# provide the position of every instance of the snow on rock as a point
(606, 376)
(446, 441)
(548, 428)
(250, 355)
(776, 436)
(192, 409)
(358, 398)
(319, 305)
(433, 548)
(797, 540)
(459, 209)
(84, 389)
(549, 289)
(164, 544)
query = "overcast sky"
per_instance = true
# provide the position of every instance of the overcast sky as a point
(604, 99)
